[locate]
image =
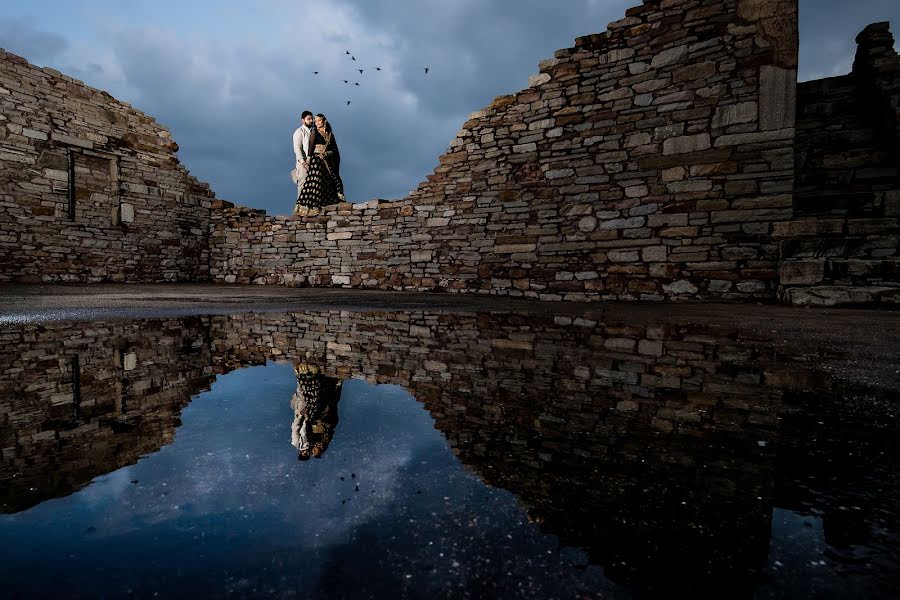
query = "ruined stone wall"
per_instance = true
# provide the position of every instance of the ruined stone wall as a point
(647, 162)
(81, 401)
(843, 244)
(136, 215)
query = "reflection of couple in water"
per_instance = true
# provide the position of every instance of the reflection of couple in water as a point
(317, 169)
(315, 411)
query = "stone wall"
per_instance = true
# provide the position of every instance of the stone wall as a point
(654, 161)
(90, 188)
(647, 162)
(842, 245)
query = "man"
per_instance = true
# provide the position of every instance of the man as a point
(303, 139)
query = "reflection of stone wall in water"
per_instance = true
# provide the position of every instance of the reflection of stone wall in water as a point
(655, 444)
(81, 401)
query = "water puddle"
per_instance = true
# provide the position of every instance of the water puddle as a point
(385, 454)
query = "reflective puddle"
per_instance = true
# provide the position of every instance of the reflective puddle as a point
(426, 454)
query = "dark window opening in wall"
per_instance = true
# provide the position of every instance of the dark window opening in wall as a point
(76, 386)
(70, 165)
(92, 191)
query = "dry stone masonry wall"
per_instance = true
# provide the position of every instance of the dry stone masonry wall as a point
(79, 402)
(841, 247)
(91, 189)
(659, 160)
(647, 162)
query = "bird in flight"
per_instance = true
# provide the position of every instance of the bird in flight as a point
(353, 57)
(345, 81)
(347, 53)
(357, 83)
(360, 71)
(315, 72)
(426, 70)
(348, 103)
(377, 68)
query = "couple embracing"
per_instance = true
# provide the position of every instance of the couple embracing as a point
(317, 171)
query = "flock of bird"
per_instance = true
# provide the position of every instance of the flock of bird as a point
(356, 83)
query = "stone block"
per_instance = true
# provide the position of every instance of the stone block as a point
(666, 132)
(650, 347)
(808, 228)
(801, 272)
(734, 114)
(587, 224)
(777, 98)
(126, 213)
(514, 248)
(539, 79)
(872, 226)
(636, 191)
(669, 57)
(420, 256)
(686, 143)
(680, 287)
(31, 133)
(742, 139)
(694, 72)
(654, 254)
(892, 203)
(623, 255)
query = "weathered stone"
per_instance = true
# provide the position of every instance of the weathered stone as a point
(733, 114)
(668, 57)
(777, 98)
(539, 79)
(680, 287)
(801, 272)
(126, 213)
(687, 143)
(587, 224)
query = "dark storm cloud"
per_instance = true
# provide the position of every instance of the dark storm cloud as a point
(21, 36)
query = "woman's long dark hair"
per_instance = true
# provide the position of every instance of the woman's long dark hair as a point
(327, 122)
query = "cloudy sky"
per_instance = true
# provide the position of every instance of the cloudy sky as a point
(230, 78)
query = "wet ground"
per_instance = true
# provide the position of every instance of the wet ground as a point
(336, 444)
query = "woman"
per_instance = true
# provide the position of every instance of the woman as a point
(315, 411)
(323, 185)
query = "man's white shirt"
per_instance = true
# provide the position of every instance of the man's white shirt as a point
(301, 141)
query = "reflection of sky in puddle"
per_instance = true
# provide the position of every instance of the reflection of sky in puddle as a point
(228, 507)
